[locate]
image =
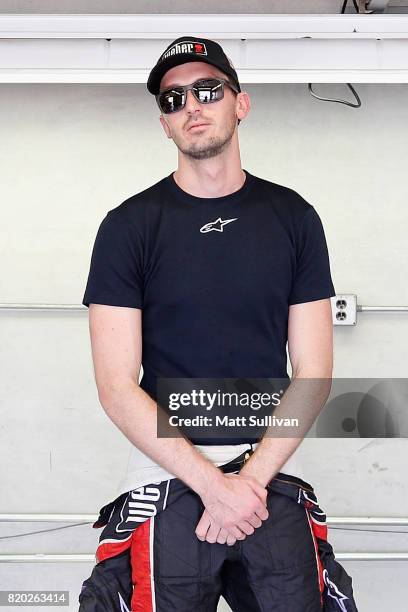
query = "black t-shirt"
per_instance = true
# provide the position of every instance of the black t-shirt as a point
(214, 277)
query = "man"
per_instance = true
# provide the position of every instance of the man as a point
(209, 273)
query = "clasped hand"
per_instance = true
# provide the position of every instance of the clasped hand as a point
(234, 508)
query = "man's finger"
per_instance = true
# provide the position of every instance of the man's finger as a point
(212, 533)
(262, 512)
(202, 526)
(255, 521)
(246, 527)
(222, 536)
(236, 533)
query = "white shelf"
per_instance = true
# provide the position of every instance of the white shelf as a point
(230, 26)
(264, 48)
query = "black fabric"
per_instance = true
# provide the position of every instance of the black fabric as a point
(215, 296)
(274, 568)
(109, 587)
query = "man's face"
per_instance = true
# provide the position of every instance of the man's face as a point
(220, 117)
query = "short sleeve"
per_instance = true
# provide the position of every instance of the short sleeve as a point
(115, 273)
(312, 279)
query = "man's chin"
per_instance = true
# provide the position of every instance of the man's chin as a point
(203, 153)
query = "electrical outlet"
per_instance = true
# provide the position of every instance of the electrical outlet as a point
(344, 309)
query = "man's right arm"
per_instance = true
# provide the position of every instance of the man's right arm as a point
(116, 340)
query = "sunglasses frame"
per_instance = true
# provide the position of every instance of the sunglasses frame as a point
(186, 88)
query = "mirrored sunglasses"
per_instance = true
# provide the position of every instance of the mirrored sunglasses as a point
(204, 90)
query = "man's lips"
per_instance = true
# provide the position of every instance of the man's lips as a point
(198, 125)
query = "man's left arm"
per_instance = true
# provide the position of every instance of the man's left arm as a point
(310, 348)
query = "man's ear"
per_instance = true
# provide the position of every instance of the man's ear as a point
(165, 126)
(244, 105)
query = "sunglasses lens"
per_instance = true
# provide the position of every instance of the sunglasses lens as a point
(172, 100)
(208, 90)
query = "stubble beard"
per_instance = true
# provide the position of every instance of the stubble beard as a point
(207, 147)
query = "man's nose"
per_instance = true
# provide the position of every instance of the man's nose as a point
(192, 103)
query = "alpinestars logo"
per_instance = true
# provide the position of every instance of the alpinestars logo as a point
(334, 593)
(216, 226)
(185, 47)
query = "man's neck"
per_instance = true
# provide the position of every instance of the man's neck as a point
(209, 182)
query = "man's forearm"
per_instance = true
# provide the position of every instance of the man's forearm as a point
(134, 412)
(269, 457)
(303, 400)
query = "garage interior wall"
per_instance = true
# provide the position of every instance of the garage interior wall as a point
(71, 152)
(186, 6)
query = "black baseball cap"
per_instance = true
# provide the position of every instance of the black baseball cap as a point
(191, 49)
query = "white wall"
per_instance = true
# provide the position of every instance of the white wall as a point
(185, 6)
(69, 153)
(174, 6)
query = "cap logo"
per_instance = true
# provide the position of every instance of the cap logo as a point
(185, 47)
